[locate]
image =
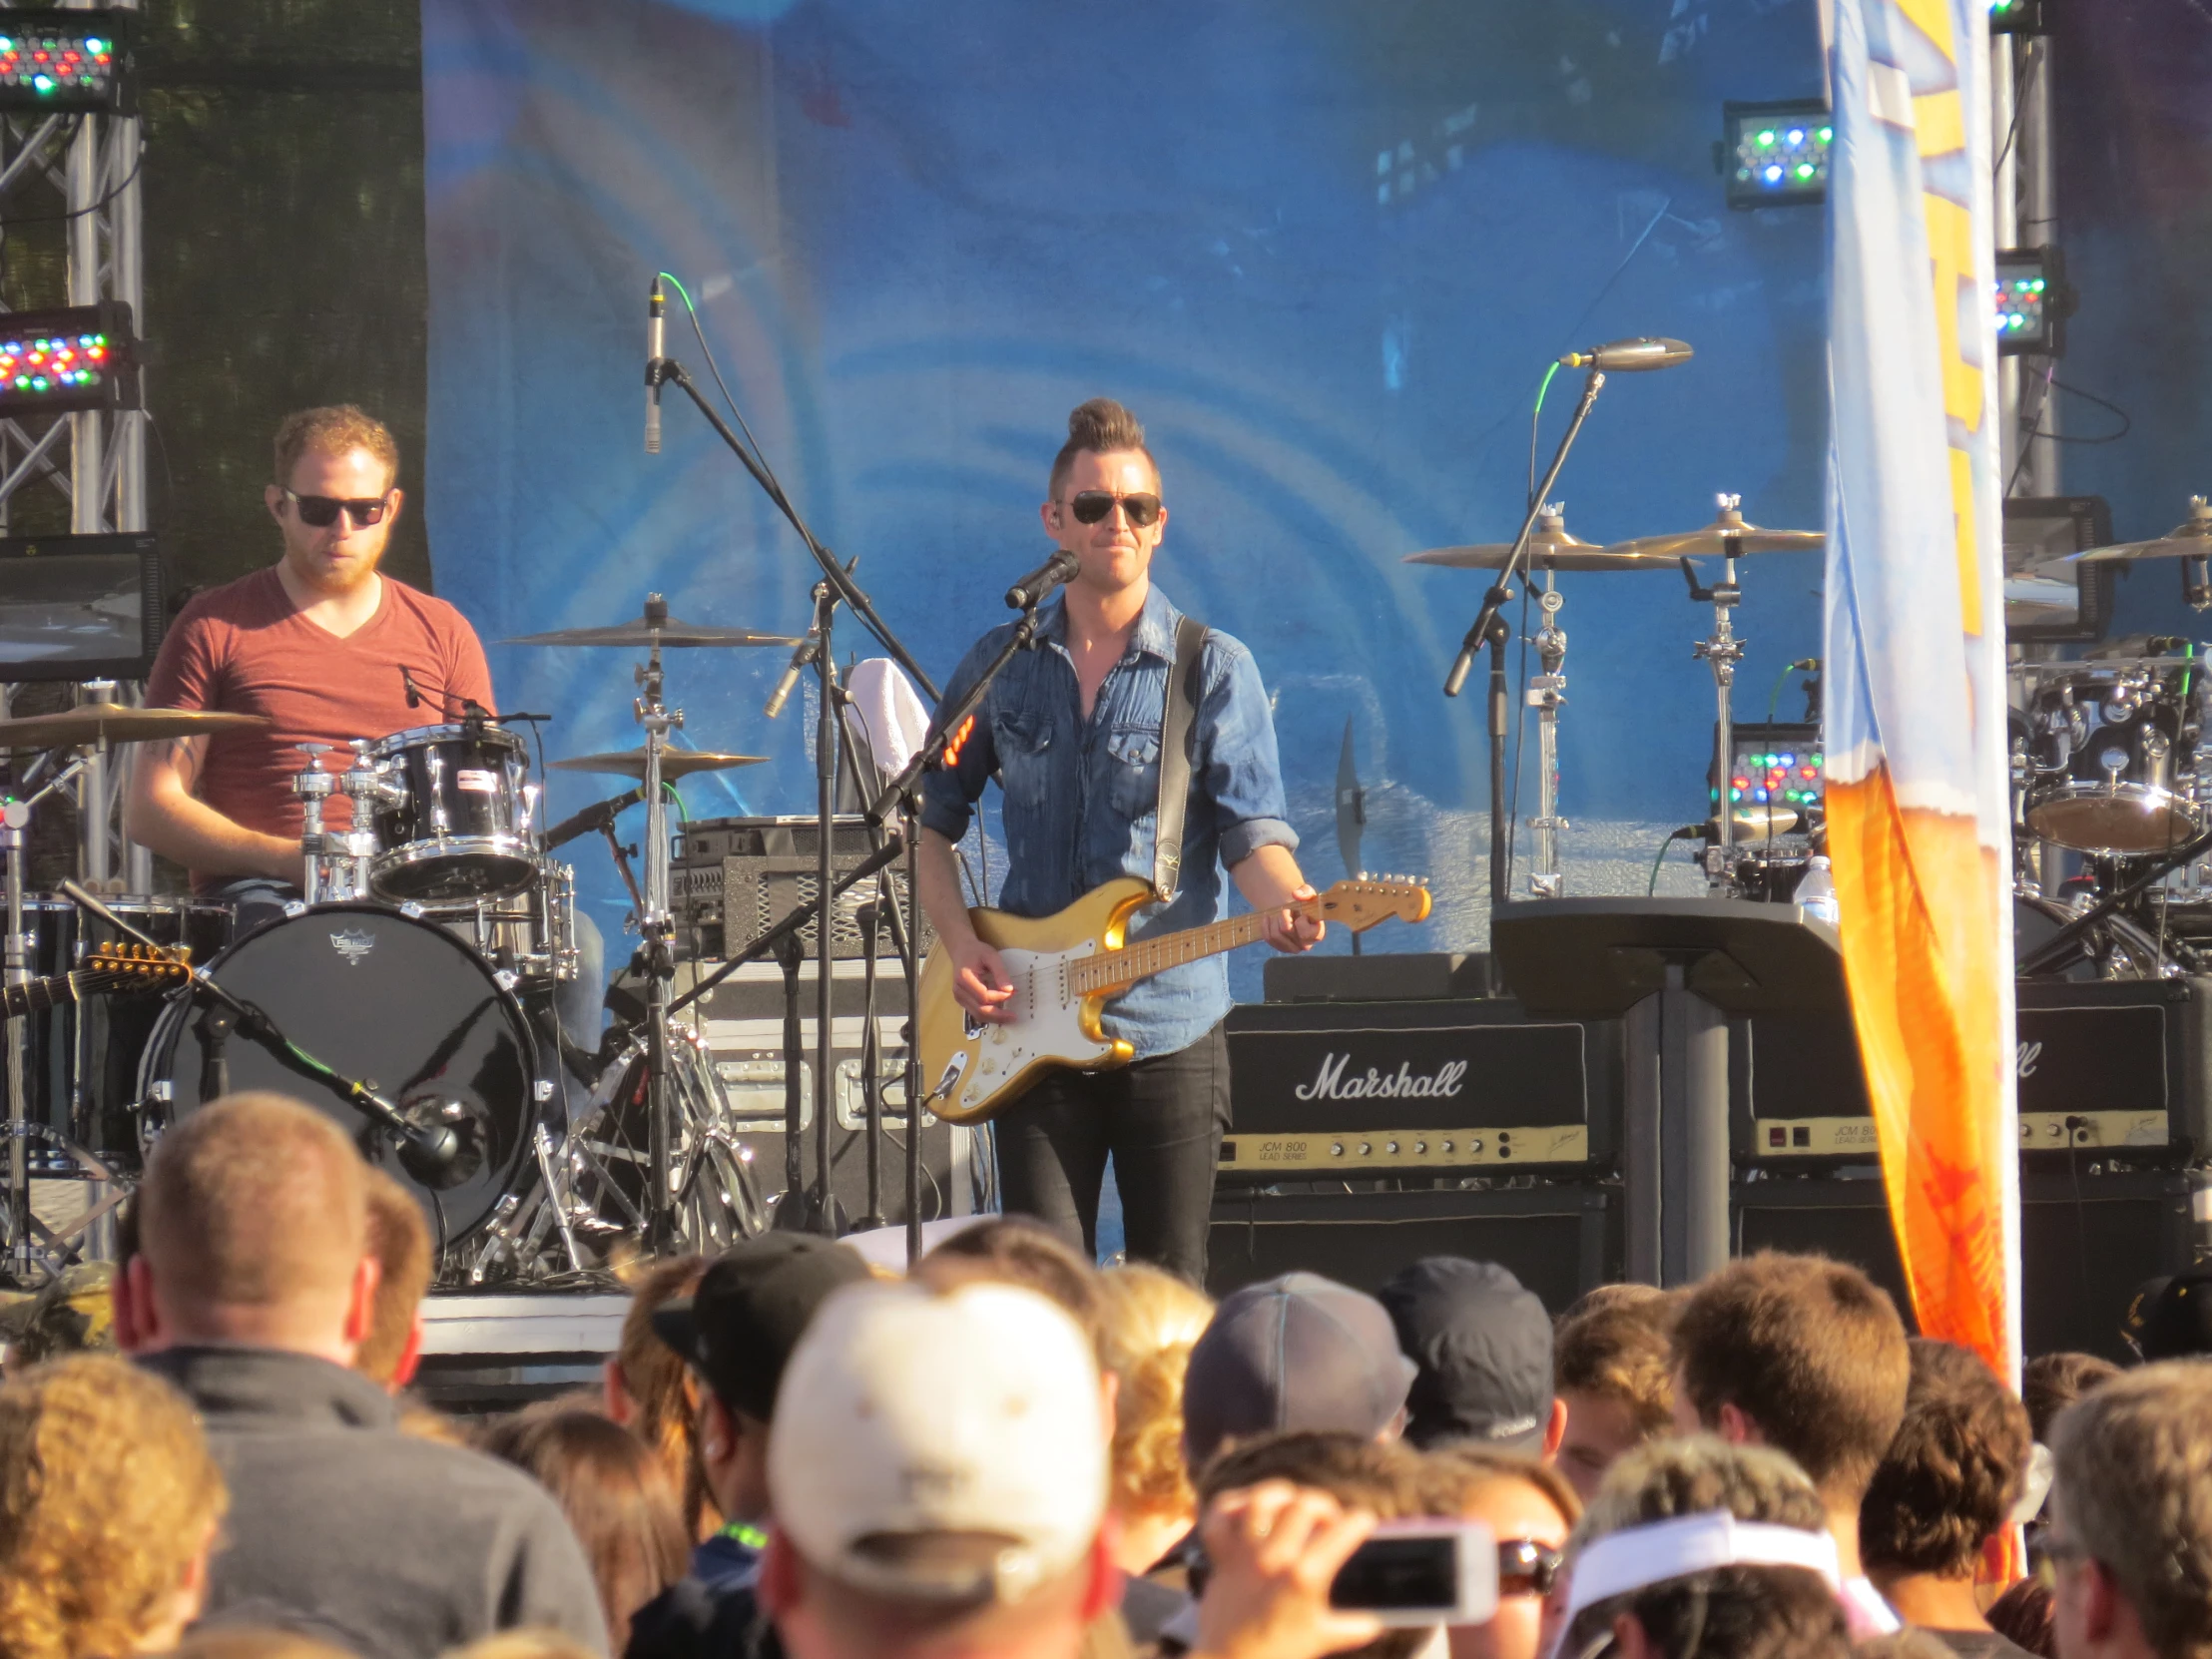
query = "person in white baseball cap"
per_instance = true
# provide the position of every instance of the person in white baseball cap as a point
(937, 1469)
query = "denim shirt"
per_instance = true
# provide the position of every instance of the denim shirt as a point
(1082, 798)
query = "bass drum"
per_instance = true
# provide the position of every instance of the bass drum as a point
(2112, 948)
(383, 998)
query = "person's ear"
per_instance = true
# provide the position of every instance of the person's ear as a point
(360, 1302)
(1631, 1641)
(1736, 1426)
(1109, 1399)
(411, 1354)
(2102, 1605)
(718, 1429)
(621, 1410)
(1049, 516)
(1102, 1590)
(275, 500)
(131, 1300)
(1555, 1430)
(778, 1584)
(394, 500)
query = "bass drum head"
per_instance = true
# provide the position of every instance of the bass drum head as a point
(2110, 947)
(382, 997)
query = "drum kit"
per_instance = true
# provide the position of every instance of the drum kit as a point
(409, 992)
(2111, 776)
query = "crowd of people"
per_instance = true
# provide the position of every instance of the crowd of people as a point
(1011, 1454)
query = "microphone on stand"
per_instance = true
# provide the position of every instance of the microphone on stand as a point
(592, 818)
(802, 656)
(653, 341)
(415, 693)
(1629, 356)
(1031, 589)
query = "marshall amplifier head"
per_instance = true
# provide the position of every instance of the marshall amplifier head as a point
(1366, 1090)
(2113, 1068)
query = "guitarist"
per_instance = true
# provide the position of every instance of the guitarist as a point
(1072, 731)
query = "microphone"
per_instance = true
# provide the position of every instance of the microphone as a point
(1031, 589)
(414, 693)
(653, 343)
(592, 818)
(1625, 357)
(803, 654)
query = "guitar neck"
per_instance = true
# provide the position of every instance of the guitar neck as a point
(1110, 970)
(35, 996)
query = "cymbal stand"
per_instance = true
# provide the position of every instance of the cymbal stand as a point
(657, 937)
(1547, 696)
(1722, 652)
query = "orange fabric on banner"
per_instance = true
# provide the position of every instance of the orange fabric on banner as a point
(1917, 892)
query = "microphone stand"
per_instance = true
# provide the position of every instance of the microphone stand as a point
(1491, 629)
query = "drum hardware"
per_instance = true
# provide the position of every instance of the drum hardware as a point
(2107, 751)
(1547, 694)
(451, 807)
(2140, 878)
(675, 764)
(1722, 652)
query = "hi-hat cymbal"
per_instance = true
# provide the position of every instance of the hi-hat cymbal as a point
(1550, 546)
(89, 723)
(1726, 536)
(649, 631)
(675, 763)
(2190, 540)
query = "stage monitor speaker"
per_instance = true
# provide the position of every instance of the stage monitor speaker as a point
(1558, 1239)
(2086, 1244)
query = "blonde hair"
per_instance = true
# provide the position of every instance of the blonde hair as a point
(107, 1495)
(1152, 1321)
(399, 1239)
(654, 1376)
(338, 430)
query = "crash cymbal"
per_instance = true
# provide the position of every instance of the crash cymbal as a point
(1727, 535)
(1758, 822)
(1550, 546)
(2190, 540)
(675, 763)
(89, 723)
(655, 628)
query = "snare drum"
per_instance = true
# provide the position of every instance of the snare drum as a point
(461, 831)
(81, 1059)
(2111, 757)
(530, 936)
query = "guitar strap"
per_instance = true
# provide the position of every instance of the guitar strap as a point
(1175, 755)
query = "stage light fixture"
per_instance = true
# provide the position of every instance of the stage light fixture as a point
(1775, 155)
(2017, 17)
(68, 60)
(2032, 301)
(83, 357)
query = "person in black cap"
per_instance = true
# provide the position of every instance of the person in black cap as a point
(1482, 1346)
(736, 1332)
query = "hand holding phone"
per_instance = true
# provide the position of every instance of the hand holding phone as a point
(1272, 1553)
(1422, 1573)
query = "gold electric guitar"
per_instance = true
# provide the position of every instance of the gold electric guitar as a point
(126, 968)
(1065, 967)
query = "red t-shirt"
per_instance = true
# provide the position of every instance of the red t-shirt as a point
(244, 647)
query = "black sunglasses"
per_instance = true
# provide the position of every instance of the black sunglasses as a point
(320, 511)
(1525, 1567)
(1089, 507)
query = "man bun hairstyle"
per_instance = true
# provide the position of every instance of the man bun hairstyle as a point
(1101, 426)
(1811, 1350)
(1953, 1473)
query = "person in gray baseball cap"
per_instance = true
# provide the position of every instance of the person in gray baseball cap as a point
(1299, 1352)
(1483, 1345)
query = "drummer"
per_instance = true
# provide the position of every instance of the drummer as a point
(327, 649)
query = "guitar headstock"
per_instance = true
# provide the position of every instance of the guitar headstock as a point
(1361, 902)
(141, 962)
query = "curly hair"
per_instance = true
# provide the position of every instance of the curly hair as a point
(1619, 1353)
(1811, 1350)
(108, 1493)
(1953, 1471)
(337, 429)
(1101, 426)
(1768, 1613)
(2053, 1381)
(1152, 1321)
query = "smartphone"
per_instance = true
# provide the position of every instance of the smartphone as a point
(1420, 1572)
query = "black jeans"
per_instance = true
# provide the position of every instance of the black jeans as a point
(1161, 1119)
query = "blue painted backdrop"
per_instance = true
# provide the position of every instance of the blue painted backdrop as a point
(1323, 249)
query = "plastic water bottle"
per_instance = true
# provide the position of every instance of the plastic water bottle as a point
(1816, 890)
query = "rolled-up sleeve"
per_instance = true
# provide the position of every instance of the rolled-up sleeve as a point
(950, 788)
(1243, 774)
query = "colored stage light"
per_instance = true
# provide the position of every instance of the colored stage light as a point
(2017, 17)
(2032, 301)
(71, 60)
(84, 357)
(1775, 155)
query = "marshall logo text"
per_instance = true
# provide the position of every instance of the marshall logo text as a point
(1331, 1083)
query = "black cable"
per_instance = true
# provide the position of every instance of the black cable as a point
(2128, 421)
(9, 221)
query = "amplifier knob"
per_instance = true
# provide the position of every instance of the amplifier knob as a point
(1335, 1149)
(1391, 1148)
(1366, 1149)
(1421, 1148)
(1474, 1145)
(1444, 1147)
(2054, 1131)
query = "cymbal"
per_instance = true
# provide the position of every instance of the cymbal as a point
(1760, 822)
(648, 630)
(89, 723)
(1727, 535)
(1550, 546)
(2190, 540)
(675, 763)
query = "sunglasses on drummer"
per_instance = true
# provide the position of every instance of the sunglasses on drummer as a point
(320, 511)
(1089, 507)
